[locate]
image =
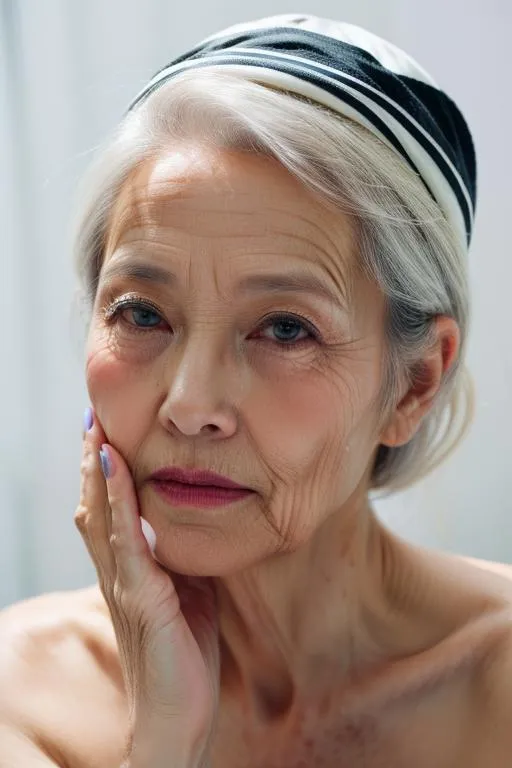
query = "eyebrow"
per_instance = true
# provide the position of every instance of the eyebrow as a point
(134, 270)
(293, 282)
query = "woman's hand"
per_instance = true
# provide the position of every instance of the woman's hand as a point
(166, 628)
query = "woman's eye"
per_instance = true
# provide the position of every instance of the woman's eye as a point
(135, 315)
(287, 329)
(142, 317)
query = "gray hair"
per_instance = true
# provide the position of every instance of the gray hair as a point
(405, 244)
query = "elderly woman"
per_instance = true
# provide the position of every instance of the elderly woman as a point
(275, 251)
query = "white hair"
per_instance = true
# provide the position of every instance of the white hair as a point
(405, 244)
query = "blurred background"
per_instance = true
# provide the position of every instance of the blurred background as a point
(67, 72)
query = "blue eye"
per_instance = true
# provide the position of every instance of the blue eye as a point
(287, 330)
(144, 318)
(136, 315)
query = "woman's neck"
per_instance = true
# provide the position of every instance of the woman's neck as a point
(301, 623)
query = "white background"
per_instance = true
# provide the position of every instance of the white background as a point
(67, 72)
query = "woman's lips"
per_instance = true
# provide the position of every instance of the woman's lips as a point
(194, 476)
(196, 487)
(186, 494)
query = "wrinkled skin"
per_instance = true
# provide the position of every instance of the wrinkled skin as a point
(340, 644)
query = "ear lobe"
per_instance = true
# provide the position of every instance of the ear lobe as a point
(403, 423)
(409, 413)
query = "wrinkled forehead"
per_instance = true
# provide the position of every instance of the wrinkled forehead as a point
(232, 202)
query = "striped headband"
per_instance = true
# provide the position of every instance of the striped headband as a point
(363, 77)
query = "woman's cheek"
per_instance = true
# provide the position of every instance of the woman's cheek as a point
(104, 372)
(113, 388)
(115, 357)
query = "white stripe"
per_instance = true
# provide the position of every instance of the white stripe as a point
(428, 168)
(268, 76)
(301, 61)
(387, 98)
(388, 54)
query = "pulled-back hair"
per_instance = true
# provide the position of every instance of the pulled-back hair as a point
(404, 242)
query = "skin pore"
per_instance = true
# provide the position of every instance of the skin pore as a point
(190, 366)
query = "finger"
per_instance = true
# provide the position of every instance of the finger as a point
(132, 551)
(93, 517)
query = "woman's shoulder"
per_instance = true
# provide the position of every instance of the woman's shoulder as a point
(488, 580)
(495, 681)
(473, 596)
(55, 627)
(490, 584)
(58, 659)
(490, 566)
(45, 609)
(474, 580)
(50, 633)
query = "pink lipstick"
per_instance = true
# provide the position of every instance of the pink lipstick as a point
(198, 488)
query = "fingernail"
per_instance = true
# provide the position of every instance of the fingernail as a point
(106, 464)
(149, 533)
(88, 419)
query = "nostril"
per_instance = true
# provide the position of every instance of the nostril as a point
(210, 428)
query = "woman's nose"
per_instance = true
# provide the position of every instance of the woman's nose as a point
(197, 398)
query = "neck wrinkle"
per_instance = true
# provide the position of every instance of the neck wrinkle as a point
(282, 640)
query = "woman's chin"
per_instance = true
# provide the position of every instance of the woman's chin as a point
(197, 562)
(193, 568)
(195, 543)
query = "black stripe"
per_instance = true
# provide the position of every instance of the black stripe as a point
(430, 107)
(404, 121)
(299, 71)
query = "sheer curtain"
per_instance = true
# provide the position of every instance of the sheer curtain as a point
(67, 72)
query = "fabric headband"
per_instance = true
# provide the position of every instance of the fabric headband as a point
(363, 77)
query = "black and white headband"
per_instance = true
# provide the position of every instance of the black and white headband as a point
(363, 77)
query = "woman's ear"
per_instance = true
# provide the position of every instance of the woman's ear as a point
(406, 419)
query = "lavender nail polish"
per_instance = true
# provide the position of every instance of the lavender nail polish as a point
(88, 419)
(105, 463)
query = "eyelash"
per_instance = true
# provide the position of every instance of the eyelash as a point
(113, 314)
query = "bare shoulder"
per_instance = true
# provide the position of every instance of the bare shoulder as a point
(476, 597)
(494, 684)
(484, 587)
(494, 580)
(60, 680)
(503, 570)
(49, 633)
(51, 611)
(484, 582)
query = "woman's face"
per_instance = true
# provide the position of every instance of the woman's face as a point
(198, 355)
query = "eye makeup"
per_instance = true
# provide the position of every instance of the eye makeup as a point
(132, 316)
(128, 301)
